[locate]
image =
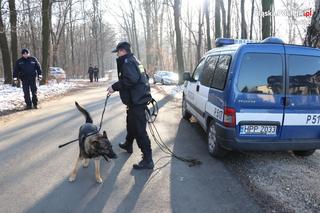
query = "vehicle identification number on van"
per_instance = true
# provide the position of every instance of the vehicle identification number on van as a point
(258, 130)
(313, 119)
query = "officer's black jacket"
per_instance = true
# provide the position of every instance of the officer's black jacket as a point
(27, 68)
(90, 71)
(133, 84)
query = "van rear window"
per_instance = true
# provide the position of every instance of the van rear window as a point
(304, 75)
(261, 73)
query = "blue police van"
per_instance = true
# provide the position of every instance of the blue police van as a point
(259, 96)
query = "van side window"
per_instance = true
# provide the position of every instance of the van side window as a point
(197, 72)
(304, 75)
(221, 72)
(261, 73)
(208, 70)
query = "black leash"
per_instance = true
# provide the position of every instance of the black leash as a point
(151, 117)
(104, 109)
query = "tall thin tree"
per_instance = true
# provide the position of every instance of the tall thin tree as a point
(46, 25)
(6, 61)
(176, 13)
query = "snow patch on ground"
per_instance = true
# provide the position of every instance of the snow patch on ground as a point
(11, 98)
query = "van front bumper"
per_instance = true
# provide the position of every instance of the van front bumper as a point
(226, 137)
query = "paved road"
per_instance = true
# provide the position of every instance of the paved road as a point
(34, 172)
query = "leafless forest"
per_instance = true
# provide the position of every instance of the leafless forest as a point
(165, 34)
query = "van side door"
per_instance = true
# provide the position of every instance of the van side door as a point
(204, 85)
(302, 102)
(192, 89)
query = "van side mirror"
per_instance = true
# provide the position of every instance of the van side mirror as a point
(186, 76)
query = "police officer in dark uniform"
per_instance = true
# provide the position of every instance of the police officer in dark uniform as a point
(96, 73)
(134, 92)
(90, 71)
(27, 68)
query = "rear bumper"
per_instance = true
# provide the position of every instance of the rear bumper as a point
(227, 139)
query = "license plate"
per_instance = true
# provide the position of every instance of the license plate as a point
(258, 130)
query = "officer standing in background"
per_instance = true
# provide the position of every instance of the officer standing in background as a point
(96, 73)
(90, 71)
(134, 92)
(27, 68)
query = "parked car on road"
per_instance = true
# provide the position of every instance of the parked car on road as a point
(259, 96)
(57, 73)
(166, 77)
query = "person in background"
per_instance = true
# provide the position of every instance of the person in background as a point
(90, 71)
(96, 73)
(27, 69)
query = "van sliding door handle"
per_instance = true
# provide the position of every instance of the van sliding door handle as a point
(198, 87)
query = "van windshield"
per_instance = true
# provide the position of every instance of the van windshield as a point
(261, 73)
(304, 75)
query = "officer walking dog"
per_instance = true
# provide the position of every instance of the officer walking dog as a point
(27, 68)
(92, 144)
(134, 92)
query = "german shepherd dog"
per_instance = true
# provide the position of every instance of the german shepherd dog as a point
(92, 144)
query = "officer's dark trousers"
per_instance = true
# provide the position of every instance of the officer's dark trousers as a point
(136, 129)
(91, 77)
(27, 85)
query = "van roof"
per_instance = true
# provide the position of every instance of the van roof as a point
(232, 45)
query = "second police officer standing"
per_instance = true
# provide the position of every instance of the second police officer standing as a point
(27, 69)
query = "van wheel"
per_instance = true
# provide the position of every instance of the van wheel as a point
(162, 82)
(304, 153)
(215, 150)
(185, 114)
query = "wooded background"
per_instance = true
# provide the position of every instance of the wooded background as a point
(164, 34)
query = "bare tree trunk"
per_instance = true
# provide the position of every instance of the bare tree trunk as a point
(46, 23)
(5, 52)
(217, 20)
(267, 6)
(71, 39)
(206, 8)
(13, 26)
(199, 43)
(244, 33)
(177, 12)
(251, 21)
(224, 19)
(313, 30)
(228, 34)
(32, 31)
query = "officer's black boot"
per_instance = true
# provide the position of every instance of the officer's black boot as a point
(145, 163)
(126, 146)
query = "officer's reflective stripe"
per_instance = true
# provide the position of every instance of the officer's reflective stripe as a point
(276, 117)
(214, 111)
(295, 119)
(141, 68)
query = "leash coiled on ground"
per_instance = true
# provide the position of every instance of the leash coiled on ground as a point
(151, 114)
(100, 125)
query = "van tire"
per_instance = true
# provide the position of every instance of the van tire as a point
(304, 153)
(185, 114)
(214, 148)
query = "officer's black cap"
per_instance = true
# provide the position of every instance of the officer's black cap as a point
(122, 45)
(24, 50)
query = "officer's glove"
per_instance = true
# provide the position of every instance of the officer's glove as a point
(40, 77)
(110, 91)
